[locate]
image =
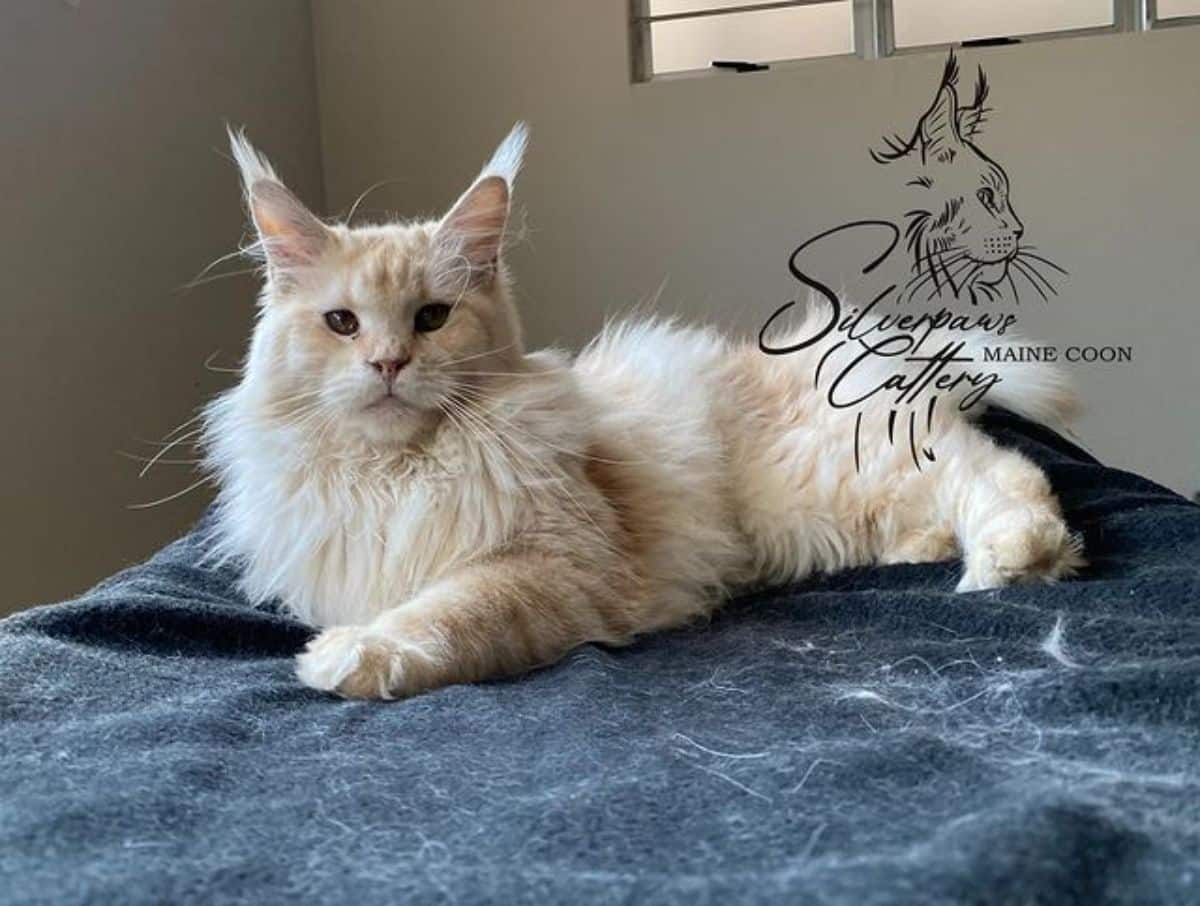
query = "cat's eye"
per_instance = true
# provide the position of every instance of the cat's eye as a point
(987, 198)
(430, 317)
(342, 321)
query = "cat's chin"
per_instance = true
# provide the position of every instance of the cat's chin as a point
(390, 421)
(388, 405)
(992, 273)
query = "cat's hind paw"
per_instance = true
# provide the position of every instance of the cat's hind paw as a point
(1042, 549)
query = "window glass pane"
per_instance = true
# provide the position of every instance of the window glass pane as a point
(941, 22)
(778, 34)
(666, 7)
(1173, 9)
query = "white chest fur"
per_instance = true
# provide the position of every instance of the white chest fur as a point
(342, 547)
(340, 535)
(340, 543)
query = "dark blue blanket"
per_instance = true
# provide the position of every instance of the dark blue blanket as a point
(864, 738)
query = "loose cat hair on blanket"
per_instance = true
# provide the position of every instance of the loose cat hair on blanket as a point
(446, 507)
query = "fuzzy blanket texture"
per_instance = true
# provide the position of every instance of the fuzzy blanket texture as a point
(863, 738)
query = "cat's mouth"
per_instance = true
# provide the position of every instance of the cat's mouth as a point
(389, 402)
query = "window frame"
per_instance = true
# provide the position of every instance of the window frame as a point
(874, 30)
(1154, 22)
(642, 44)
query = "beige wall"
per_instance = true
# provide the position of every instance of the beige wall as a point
(116, 192)
(711, 180)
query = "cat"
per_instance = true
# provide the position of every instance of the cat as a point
(968, 242)
(445, 507)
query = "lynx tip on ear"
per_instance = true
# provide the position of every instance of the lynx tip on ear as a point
(507, 158)
(251, 163)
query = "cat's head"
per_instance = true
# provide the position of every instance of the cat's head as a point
(369, 332)
(966, 216)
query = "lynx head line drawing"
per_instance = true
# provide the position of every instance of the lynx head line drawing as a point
(965, 238)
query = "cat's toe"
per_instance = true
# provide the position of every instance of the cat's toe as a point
(348, 661)
(361, 662)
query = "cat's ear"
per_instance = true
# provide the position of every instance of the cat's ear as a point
(289, 235)
(939, 131)
(468, 240)
(972, 118)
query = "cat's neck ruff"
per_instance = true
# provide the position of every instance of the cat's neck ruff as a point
(315, 518)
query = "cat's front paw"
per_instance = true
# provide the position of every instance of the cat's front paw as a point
(357, 662)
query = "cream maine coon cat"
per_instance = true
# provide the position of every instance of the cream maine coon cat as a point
(447, 507)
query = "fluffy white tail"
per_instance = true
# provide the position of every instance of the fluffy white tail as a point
(1039, 391)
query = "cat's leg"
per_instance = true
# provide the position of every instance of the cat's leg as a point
(497, 618)
(925, 545)
(1006, 518)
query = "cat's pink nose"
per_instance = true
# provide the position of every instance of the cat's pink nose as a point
(388, 368)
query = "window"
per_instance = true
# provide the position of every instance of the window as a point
(673, 36)
(1169, 12)
(682, 35)
(937, 22)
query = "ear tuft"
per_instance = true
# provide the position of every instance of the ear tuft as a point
(950, 70)
(971, 119)
(468, 241)
(289, 235)
(507, 158)
(253, 166)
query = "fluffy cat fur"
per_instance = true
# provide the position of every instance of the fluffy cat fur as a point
(446, 507)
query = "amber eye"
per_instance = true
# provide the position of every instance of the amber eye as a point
(342, 321)
(430, 317)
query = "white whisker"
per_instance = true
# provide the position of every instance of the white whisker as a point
(477, 356)
(209, 366)
(163, 452)
(162, 462)
(145, 506)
